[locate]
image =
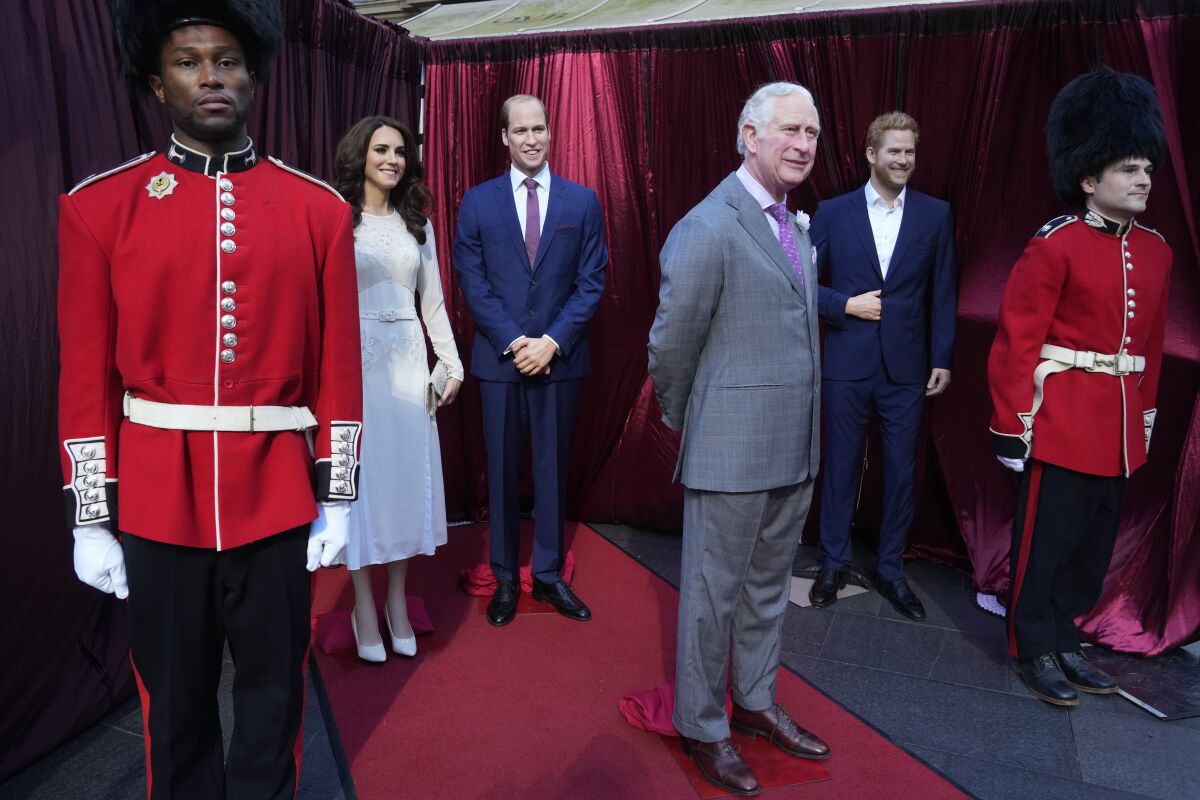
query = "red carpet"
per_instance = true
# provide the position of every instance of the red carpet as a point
(531, 710)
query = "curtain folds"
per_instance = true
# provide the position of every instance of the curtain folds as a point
(980, 79)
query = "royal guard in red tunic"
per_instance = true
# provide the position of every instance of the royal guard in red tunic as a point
(210, 400)
(1074, 371)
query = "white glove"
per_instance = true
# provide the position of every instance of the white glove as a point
(1015, 464)
(99, 560)
(327, 536)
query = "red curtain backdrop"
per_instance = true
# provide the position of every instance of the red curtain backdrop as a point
(64, 645)
(648, 118)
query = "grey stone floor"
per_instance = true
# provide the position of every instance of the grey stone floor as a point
(943, 690)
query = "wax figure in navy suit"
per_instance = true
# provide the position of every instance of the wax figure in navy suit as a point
(888, 255)
(734, 356)
(530, 256)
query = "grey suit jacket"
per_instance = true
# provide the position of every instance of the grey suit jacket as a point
(734, 348)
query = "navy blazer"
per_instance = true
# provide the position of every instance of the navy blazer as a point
(915, 332)
(508, 298)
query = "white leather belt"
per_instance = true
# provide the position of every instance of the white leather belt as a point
(1118, 364)
(389, 314)
(246, 419)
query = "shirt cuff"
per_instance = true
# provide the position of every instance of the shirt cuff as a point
(551, 338)
(513, 342)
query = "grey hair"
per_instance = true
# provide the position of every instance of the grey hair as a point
(761, 107)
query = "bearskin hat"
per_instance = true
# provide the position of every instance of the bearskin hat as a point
(1101, 117)
(140, 27)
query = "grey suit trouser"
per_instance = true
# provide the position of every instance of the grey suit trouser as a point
(733, 590)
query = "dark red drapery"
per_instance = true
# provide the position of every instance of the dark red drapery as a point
(647, 118)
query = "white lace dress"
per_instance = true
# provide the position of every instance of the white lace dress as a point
(401, 506)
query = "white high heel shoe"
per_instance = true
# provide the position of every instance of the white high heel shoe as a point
(401, 647)
(374, 653)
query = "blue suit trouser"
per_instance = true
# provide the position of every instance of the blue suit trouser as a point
(543, 414)
(847, 407)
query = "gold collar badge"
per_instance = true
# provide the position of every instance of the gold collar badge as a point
(161, 185)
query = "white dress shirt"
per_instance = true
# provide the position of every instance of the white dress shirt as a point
(520, 193)
(885, 224)
(760, 195)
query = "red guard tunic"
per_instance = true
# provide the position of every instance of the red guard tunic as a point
(1087, 285)
(225, 281)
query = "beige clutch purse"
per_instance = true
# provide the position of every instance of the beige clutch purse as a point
(436, 387)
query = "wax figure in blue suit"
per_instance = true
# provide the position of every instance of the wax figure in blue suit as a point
(530, 256)
(887, 253)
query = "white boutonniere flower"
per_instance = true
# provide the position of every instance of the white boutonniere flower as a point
(803, 221)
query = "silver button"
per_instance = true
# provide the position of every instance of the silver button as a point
(228, 214)
(91, 481)
(87, 451)
(228, 229)
(1128, 339)
(1130, 315)
(341, 487)
(1132, 304)
(1131, 292)
(91, 495)
(345, 447)
(1128, 254)
(343, 474)
(228, 322)
(1129, 266)
(228, 246)
(228, 304)
(228, 287)
(227, 198)
(228, 356)
(226, 185)
(93, 511)
(90, 466)
(229, 340)
(345, 461)
(346, 434)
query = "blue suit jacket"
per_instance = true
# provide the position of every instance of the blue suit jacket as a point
(915, 332)
(508, 298)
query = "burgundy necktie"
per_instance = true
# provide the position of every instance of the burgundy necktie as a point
(533, 221)
(787, 237)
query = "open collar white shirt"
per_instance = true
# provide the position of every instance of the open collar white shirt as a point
(520, 193)
(885, 224)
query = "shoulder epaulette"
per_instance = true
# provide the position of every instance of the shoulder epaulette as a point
(1055, 224)
(99, 176)
(305, 175)
(1150, 230)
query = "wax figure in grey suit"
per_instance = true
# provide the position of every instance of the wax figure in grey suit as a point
(734, 358)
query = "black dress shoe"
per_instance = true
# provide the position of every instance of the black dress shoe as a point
(825, 588)
(1046, 680)
(559, 595)
(780, 729)
(1084, 676)
(902, 598)
(722, 764)
(503, 607)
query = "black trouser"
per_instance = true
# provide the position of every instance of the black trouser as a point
(184, 603)
(1062, 542)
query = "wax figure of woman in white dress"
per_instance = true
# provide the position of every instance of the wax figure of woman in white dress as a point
(401, 510)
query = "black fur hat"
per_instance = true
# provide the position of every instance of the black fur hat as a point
(140, 26)
(1098, 118)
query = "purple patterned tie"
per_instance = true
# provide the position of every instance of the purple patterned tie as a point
(533, 221)
(787, 237)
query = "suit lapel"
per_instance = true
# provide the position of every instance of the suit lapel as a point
(908, 229)
(862, 226)
(754, 221)
(507, 203)
(554, 206)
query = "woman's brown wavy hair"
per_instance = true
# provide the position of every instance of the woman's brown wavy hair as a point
(410, 197)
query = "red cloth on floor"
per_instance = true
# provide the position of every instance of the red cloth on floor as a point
(333, 633)
(651, 710)
(479, 580)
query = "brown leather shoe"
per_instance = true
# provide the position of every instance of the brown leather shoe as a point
(722, 764)
(781, 730)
